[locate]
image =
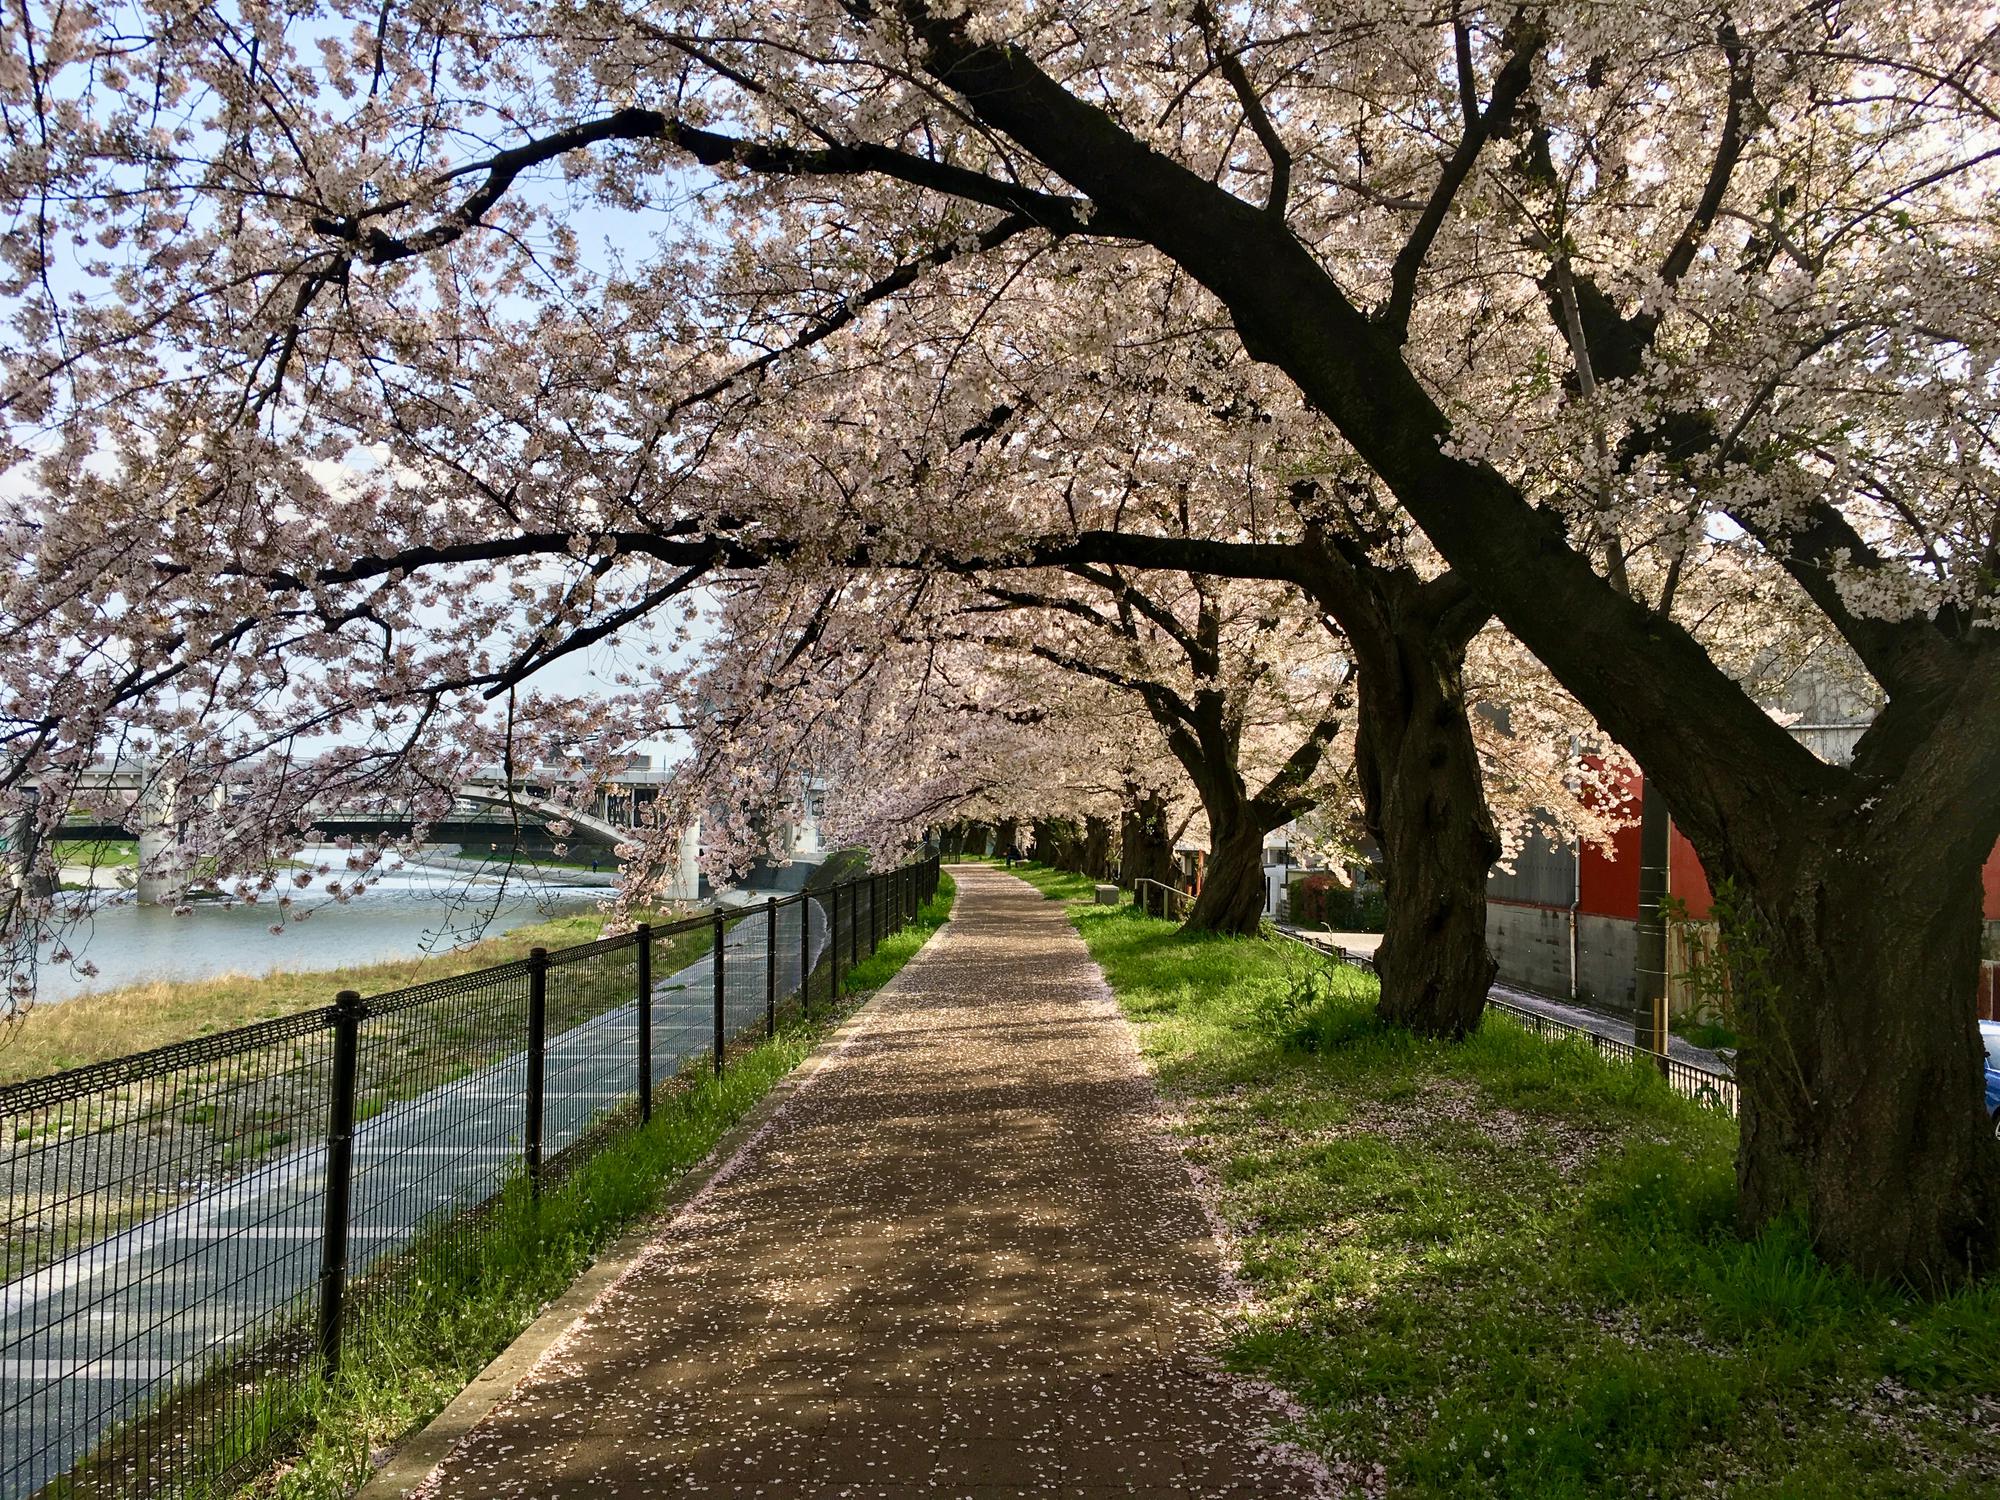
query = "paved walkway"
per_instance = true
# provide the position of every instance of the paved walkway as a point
(962, 1261)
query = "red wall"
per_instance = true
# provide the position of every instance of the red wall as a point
(1685, 877)
(1611, 886)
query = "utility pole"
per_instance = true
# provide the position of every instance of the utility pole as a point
(1649, 1019)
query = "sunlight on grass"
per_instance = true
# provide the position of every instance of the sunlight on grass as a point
(1510, 1267)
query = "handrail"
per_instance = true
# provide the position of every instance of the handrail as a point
(1164, 895)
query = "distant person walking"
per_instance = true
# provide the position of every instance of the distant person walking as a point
(1013, 853)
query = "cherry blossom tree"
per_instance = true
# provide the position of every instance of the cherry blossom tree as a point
(313, 365)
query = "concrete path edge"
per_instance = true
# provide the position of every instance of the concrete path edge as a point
(418, 1456)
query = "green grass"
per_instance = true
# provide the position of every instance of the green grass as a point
(109, 854)
(405, 1364)
(1509, 1268)
(1710, 1034)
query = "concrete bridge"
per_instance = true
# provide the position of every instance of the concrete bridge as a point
(508, 803)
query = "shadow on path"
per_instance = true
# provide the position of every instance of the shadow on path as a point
(962, 1261)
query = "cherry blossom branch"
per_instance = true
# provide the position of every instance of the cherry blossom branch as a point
(375, 246)
(1524, 43)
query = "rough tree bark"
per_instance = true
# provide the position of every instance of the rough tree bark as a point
(1423, 793)
(1146, 845)
(1097, 848)
(1232, 883)
(1854, 950)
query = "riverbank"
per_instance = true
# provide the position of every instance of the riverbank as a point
(113, 1023)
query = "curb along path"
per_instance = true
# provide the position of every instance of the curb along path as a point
(962, 1260)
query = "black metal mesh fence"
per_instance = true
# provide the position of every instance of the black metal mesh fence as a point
(152, 1214)
(188, 1235)
(1703, 1085)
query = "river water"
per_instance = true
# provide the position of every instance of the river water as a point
(410, 912)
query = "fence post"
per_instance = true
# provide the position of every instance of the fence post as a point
(805, 955)
(771, 966)
(833, 948)
(721, 1017)
(538, 1036)
(339, 1174)
(854, 923)
(645, 1022)
(874, 913)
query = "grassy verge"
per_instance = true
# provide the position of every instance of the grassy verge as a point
(109, 854)
(1509, 1268)
(92, 1028)
(881, 966)
(407, 1363)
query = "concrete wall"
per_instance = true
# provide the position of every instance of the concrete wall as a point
(1608, 962)
(1531, 945)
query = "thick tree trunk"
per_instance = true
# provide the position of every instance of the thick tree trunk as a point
(1232, 887)
(1862, 1110)
(1146, 846)
(1426, 806)
(1007, 835)
(1097, 848)
(1869, 945)
(1069, 848)
(1055, 843)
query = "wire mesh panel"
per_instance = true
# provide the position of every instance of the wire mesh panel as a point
(743, 977)
(816, 954)
(593, 1037)
(161, 1218)
(439, 1084)
(683, 997)
(843, 937)
(792, 920)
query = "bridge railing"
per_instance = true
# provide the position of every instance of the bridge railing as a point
(189, 1237)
